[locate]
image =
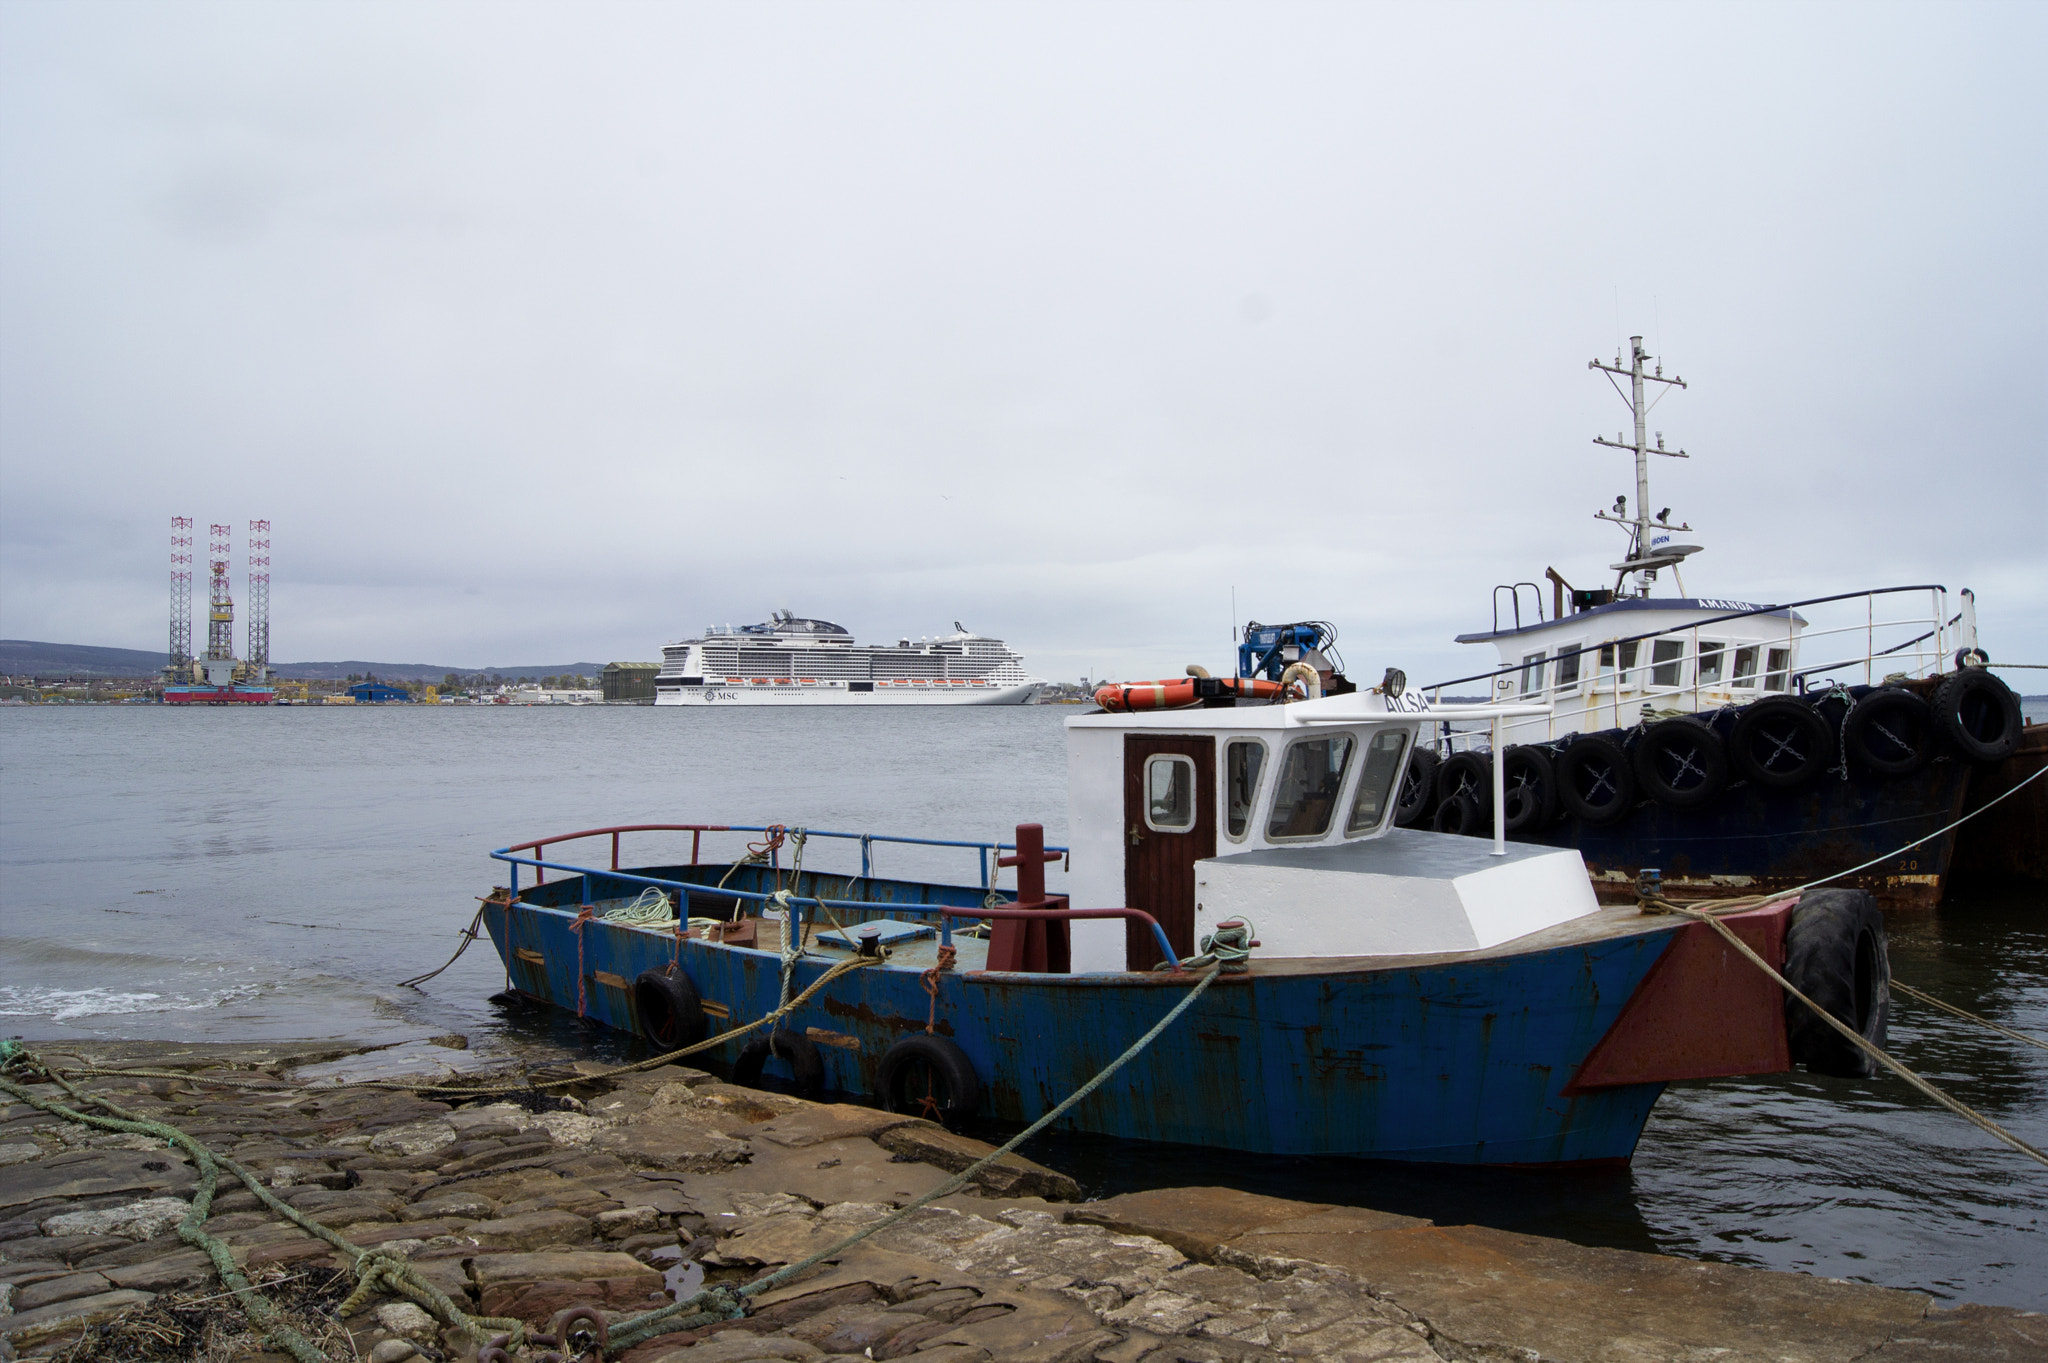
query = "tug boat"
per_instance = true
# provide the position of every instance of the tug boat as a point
(1736, 747)
(1403, 994)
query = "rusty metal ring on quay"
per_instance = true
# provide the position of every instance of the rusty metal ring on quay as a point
(564, 1324)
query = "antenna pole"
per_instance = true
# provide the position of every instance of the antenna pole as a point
(1641, 447)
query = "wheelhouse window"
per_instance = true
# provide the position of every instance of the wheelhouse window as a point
(1777, 669)
(1568, 669)
(1745, 666)
(1377, 781)
(1625, 658)
(1305, 798)
(1667, 662)
(1169, 794)
(1243, 760)
(1713, 658)
(1532, 674)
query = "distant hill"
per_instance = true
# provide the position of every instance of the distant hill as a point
(30, 658)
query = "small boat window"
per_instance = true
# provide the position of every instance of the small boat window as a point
(1243, 759)
(1713, 657)
(1311, 776)
(1376, 782)
(1745, 666)
(1777, 669)
(1627, 658)
(1532, 674)
(1169, 794)
(1568, 668)
(1667, 662)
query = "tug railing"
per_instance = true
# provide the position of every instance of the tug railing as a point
(1614, 679)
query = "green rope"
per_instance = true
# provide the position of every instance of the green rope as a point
(722, 1303)
(373, 1268)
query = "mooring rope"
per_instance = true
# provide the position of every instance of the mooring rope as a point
(466, 1091)
(1910, 992)
(1955, 1105)
(714, 1304)
(371, 1267)
(385, 1270)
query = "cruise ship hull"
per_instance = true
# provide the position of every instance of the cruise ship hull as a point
(843, 693)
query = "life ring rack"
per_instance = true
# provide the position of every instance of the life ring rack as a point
(1179, 693)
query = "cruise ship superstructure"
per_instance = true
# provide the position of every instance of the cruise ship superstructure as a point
(789, 660)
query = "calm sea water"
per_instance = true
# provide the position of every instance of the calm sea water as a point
(207, 874)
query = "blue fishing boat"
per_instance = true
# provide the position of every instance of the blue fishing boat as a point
(1393, 993)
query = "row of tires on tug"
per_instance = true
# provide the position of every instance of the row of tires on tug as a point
(1687, 761)
(1835, 946)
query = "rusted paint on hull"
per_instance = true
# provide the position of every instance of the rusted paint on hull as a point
(1754, 840)
(2010, 841)
(1459, 1061)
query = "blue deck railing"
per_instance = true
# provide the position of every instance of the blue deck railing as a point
(778, 834)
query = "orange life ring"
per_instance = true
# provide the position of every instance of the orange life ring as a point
(1178, 693)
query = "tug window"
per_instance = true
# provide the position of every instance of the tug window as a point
(1311, 775)
(1568, 669)
(1242, 760)
(1667, 662)
(1170, 794)
(1712, 657)
(1377, 781)
(1777, 663)
(1532, 674)
(1745, 666)
(1628, 658)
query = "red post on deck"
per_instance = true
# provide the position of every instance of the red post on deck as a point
(540, 873)
(1019, 943)
(615, 851)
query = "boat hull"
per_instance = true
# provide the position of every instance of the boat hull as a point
(839, 693)
(1465, 1059)
(1755, 840)
(220, 695)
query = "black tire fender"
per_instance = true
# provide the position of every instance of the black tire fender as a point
(1681, 763)
(1890, 731)
(1781, 742)
(670, 1013)
(952, 1090)
(1595, 781)
(1980, 715)
(1458, 815)
(1529, 789)
(1835, 954)
(800, 1053)
(1418, 789)
(1466, 773)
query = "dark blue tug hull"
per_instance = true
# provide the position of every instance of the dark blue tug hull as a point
(1460, 1059)
(1754, 839)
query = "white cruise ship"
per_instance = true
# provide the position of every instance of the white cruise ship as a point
(793, 661)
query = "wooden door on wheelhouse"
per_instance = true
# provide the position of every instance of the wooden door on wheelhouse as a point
(1169, 825)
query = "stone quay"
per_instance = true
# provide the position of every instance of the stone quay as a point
(632, 1187)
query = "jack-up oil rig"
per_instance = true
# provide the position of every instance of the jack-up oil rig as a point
(218, 677)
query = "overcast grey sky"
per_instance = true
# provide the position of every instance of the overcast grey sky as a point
(549, 332)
